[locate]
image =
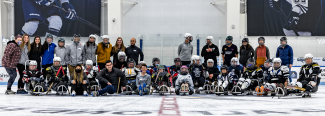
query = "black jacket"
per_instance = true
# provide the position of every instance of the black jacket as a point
(113, 77)
(213, 70)
(210, 55)
(134, 52)
(35, 54)
(245, 54)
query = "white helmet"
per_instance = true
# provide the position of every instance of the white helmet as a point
(210, 38)
(277, 60)
(121, 54)
(141, 62)
(210, 60)
(197, 58)
(105, 37)
(57, 59)
(89, 62)
(93, 35)
(33, 63)
(309, 55)
(299, 84)
(193, 57)
(187, 35)
(234, 59)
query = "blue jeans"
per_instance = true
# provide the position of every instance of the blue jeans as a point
(289, 72)
(107, 89)
(12, 76)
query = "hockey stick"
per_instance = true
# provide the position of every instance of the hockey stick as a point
(53, 82)
(118, 87)
(286, 19)
(155, 82)
(79, 18)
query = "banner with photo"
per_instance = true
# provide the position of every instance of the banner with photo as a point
(57, 17)
(285, 18)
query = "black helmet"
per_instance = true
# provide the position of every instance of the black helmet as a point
(224, 67)
(76, 35)
(229, 38)
(283, 39)
(177, 60)
(131, 60)
(268, 61)
(261, 38)
(250, 63)
(61, 40)
(154, 60)
(245, 40)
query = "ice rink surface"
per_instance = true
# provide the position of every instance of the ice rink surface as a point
(155, 105)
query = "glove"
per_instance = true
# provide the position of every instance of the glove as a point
(71, 14)
(25, 80)
(44, 2)
(276, 4)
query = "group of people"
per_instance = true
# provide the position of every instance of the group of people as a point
(129, 73)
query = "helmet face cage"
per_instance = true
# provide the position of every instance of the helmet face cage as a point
(276, 62)
(250, 65)
(234, 62)
(210, 63)
(131, 61)
(31, 64)
(154, 60)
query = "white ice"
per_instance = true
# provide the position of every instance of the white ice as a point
(194, 105)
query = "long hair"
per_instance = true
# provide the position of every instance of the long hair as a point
(22, 45)
(45, 45)
(81, 75)
(115, 48)
(34, 45)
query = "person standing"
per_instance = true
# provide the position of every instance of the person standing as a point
(36, 52)
(229, 50)
(61, 52)
(210, 51)
(119, 46)
(134, 52)
(10, 60)
(75, 53)
(285, 53)
(103, 52)
(90, 49)
(25, 48)
(48, 53)
(185, 50)
(246, 51)
(261, 52)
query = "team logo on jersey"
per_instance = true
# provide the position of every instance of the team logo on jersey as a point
(197, 72)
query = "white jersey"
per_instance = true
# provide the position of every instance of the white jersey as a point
(283, 71)
(130, 72)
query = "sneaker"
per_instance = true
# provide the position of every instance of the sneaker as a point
(24, 91)
(94, 94)
(10, 92)
(73, 93)
(85, 93)
(19, 91)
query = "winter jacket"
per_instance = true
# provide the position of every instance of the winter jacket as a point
(113, 77)
(261, 54)
(285, 54)
(212, 70)
(48, 55)
(185, 51)
(35, 54)
(90, 52)
(84, 78)
(11, 55)
(75, 54)
(134, 52)
(62, 53)
(24, 56)
(103, 54)
(143, 79)
(245, 53)
(210, 55)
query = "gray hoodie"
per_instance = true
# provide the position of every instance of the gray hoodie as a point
(61, 52)
(185, 51)
(143, 79)
(75, 54)
(24, 56)
(90, 52)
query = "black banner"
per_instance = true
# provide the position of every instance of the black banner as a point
(57, 17)
(285, 18)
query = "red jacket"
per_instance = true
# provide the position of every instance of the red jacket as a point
(11, 55)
